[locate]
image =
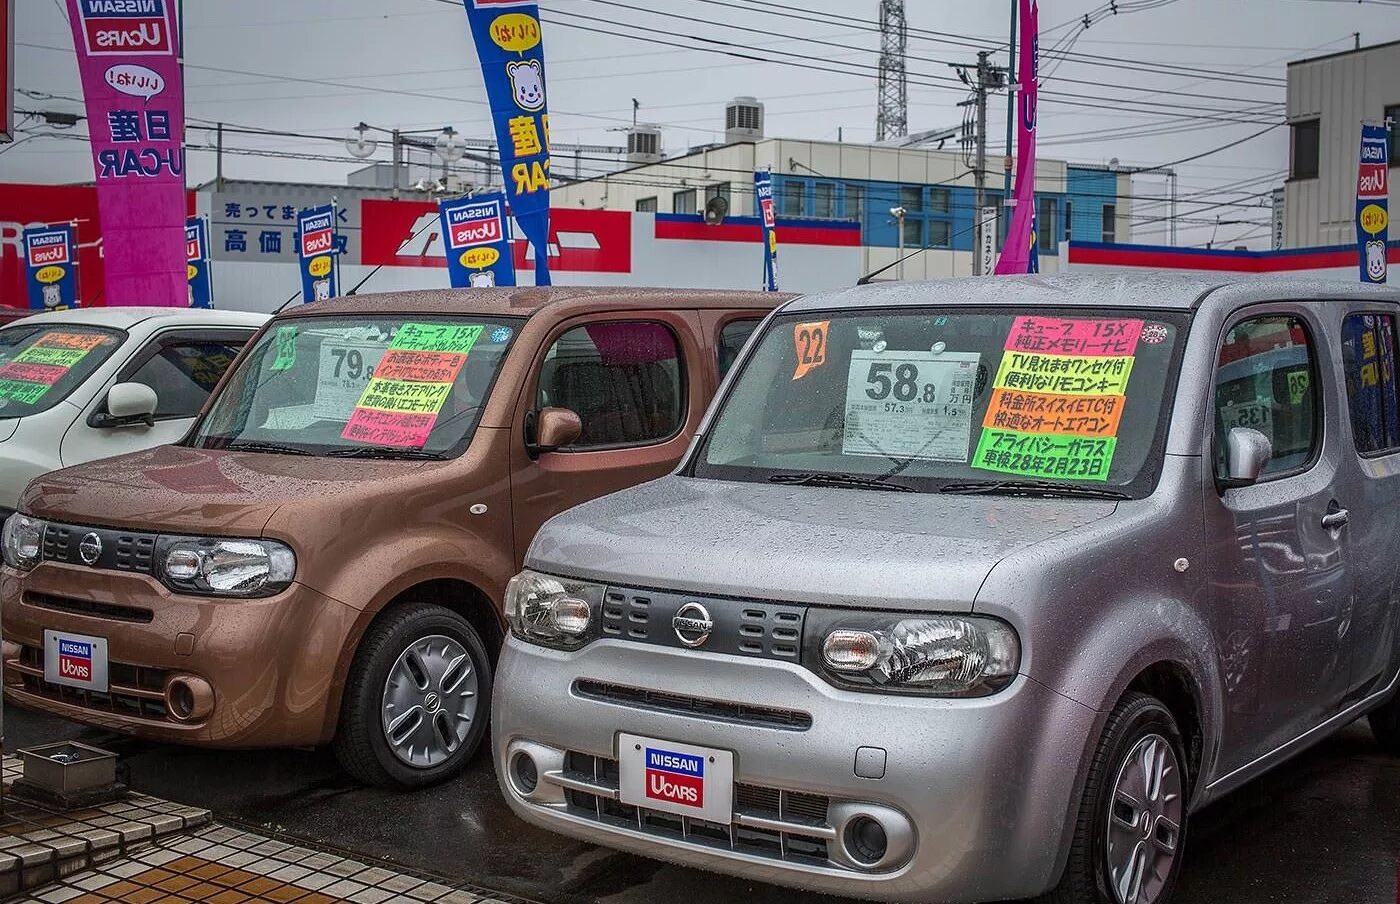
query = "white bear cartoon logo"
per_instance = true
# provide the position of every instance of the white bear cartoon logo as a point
(1375, 261)
(483, 279)
(527, 84)
(53, 296)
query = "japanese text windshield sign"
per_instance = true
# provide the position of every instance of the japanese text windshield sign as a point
(1016, 252)
(201, 288)
(51, 262)
(128, 62)
(476, 242)
(767, 213)
(1372, 203)
(316, 253)
(511, 50)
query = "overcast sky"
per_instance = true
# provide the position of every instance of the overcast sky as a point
(320, 66)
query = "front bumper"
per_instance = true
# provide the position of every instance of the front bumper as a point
(265, 666)
(985, 787)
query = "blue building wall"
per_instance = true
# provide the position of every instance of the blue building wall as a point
(1091, 191)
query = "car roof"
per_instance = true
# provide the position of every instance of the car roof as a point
(127, 317)
(1146, 289)
(526, 301)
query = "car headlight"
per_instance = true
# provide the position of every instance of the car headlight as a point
(23, 541)
(553, 612)
(936, 655)
(225, 567)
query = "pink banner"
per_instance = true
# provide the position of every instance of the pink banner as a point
(128, 60)
(1016, 253)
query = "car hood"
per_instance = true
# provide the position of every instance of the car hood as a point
(173, 489)
(820, 545)
(8, 426)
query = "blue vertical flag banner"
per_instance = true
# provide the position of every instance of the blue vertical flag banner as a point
(1373, 202)
(767, 212)
(511, 50)
(51, 262)
(1033, 255)
(316, 248)
(200, 280)
(475, 239)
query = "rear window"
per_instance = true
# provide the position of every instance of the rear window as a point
(41, 364)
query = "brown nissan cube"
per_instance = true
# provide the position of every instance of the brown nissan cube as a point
(323, 558)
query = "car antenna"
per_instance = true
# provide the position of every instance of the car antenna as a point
(293, 298)
(358, 285)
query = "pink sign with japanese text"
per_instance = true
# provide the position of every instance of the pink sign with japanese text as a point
(128, 58)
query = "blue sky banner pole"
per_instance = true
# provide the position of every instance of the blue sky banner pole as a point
(476, 242)
(316, 247)
(51, 258)
(1373, 202)
(510, 47)
(201, 287)
(767, 212)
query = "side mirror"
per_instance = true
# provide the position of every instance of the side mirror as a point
(554, 429)
(128, 403)
(1247, 451)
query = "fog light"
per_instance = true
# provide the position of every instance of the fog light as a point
(527, 775)
(866, 841)
(851, 651)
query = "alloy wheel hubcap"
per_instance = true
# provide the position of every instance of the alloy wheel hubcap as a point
(430, 700)
(1144, 821)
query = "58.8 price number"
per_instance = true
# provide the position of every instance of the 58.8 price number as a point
(902, 382)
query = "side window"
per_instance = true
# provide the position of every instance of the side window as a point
(1266, 379)
(183, 373)
(623, 380)
(731, 339)
(1368, 358)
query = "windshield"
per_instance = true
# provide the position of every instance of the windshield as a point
(41, 364)
(933, 399)
(331, 386)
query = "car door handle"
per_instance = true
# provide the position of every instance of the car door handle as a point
(1335, 520)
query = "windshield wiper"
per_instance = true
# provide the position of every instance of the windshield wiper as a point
(854, 481)
(1030, 488)
(259, 446)
(385, 452)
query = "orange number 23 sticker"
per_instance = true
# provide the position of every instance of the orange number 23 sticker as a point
(809, 339)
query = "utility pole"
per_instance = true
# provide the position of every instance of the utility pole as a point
(989, 78)
(892, 92)
(1010, 115)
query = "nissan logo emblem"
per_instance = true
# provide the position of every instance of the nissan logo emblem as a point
(692, 624)
(90, 548)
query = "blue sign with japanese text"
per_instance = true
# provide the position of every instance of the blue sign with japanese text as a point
(51, 262)
(316, 249)
(475, 239)
(511, 50)
(767, 214)
(1373, 202)
(197, 263)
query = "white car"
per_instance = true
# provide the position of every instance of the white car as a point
(92, 383)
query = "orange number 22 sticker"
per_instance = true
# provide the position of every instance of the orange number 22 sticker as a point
(809, 339)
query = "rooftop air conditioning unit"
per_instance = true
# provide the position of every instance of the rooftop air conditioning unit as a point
(644, 144)
(743, 120)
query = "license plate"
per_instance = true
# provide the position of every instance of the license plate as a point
(676, 778)
(75, 660)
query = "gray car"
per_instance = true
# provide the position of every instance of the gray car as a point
(975, 589)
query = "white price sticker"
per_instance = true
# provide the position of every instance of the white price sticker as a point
(345, 367)
(915, 405)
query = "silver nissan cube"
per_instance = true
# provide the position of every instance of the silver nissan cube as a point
(975, 589)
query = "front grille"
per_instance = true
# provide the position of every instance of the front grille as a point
(121, 550)
(695, 707)
(89, 607)
(133, 690)
(768, 822)
(741, 628)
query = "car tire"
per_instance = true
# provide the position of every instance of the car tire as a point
(1385, 724)
(1139, 731)
(414, 655)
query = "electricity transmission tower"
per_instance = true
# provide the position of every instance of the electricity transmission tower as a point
(892, 112)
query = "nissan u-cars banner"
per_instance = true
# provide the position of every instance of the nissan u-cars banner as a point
(1373, 202)
(51, 262)
(201, 288)
(767, 214)
(475, 241)
(316, 253)
(128, 61)
(511, 50)
(1016, 252)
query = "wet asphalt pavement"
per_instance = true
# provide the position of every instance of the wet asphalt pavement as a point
(1323, 828)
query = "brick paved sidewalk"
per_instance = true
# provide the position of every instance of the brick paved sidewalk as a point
(229, 866)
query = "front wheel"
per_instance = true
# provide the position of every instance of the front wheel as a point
(1129, 836)
(417, 699)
